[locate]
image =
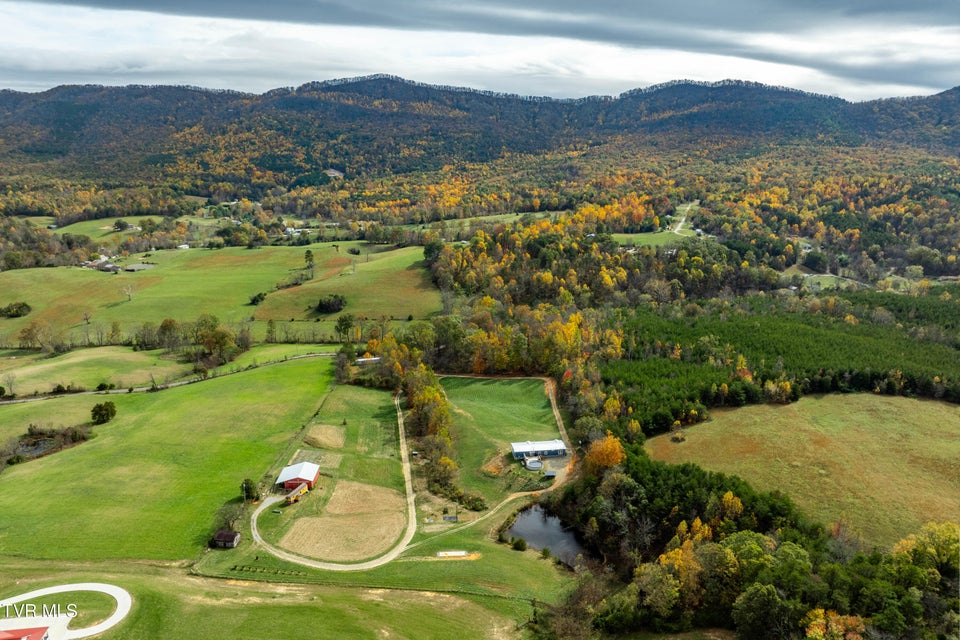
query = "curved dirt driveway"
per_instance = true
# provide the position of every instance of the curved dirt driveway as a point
(395, 551)
(124, 603)
(404, 543)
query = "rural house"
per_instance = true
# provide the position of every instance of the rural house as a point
(225, 539)
(545, 448)
(293, 476)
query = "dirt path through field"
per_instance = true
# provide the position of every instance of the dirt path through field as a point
(404, 543)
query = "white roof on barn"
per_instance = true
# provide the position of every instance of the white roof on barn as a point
(299, 471)
(537, 445)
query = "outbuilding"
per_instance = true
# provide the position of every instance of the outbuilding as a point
(296, 474)
(545, 448)
(226, 539)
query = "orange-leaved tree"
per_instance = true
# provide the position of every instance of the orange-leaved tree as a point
(604, 453)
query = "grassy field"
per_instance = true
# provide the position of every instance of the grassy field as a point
(151, 481)
(488, 415)
(654, 239)
(102, 230)
(169, 603)
(383, 283)
(185, 283)
(885, 464)
(86, 368)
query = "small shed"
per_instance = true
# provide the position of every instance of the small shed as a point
(226, 539)
(545, 448)
(303, 472)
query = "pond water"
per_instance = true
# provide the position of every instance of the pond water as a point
(542, 530)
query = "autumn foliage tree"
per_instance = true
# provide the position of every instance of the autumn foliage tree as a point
(604, 453)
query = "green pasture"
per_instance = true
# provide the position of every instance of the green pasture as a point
(653, 239)
(82, 304)
(40, 221)
(102, 230)
(489, 414)
(887, 465)
(824, 282)
(390, 284)
(266, 353)
(169, 603)
(151, 481)
(86, 368)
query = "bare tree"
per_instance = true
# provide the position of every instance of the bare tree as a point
(127, 290)
(9, 381)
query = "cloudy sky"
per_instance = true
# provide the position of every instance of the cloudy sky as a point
(857, 49)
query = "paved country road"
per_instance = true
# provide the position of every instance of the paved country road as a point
(124, 602)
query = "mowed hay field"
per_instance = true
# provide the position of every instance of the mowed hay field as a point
(885, 464)
(359, 521)
(383, 283)
(186, 283)
(151, 481)
(86, 368)
(489, 414)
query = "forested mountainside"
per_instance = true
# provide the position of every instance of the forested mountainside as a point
(661, 255)
(382, 124)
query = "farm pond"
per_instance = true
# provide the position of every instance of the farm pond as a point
(544, 531)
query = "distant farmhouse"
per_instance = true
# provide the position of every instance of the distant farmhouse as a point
(296, 474)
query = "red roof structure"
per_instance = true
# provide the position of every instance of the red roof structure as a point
(36, 633)
(305, 472)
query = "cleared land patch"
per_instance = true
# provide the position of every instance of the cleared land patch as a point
(326, 436)
(86, 368)
(360, 521)
(322, 459)
(885, 464)
(488, 415)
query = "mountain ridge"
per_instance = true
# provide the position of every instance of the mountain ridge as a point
(384, 124)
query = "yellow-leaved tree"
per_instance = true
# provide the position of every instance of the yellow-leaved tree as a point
(604, 453)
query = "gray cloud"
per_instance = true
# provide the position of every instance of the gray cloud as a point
(732, 28)
(702, 26)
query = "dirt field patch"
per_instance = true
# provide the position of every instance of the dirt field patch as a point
(361, 521)
(326, 436)
(350, 498)
(322, 459)
(344, 538)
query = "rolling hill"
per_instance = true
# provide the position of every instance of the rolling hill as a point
(369, 126)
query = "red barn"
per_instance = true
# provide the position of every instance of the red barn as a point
(303, 472)
(37, 633)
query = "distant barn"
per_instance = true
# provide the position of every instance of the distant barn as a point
(544, 448)
(296, 474)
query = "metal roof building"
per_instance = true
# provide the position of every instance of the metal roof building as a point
(304, 472)
(546, 448)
